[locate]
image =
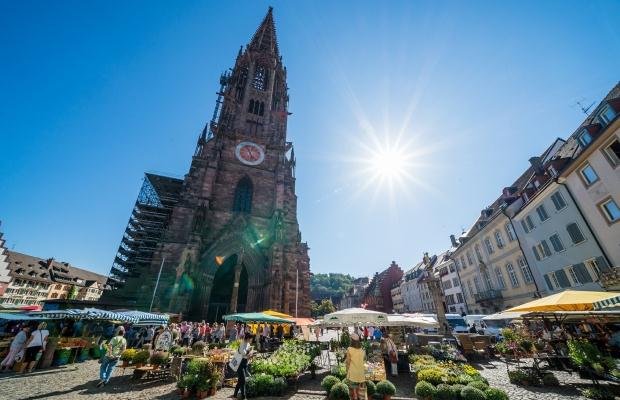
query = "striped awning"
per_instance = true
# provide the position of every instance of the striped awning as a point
(145, 318)
(86, 313)
(607, 303)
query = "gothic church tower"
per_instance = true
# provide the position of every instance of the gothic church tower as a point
(232, 241)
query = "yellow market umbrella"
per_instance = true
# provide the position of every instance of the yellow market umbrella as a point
(568, 300)
(277, 314)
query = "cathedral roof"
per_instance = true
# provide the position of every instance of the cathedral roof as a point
(264, 39)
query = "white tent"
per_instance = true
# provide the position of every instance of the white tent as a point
(504, 315)
(403, 320)
(359, 316)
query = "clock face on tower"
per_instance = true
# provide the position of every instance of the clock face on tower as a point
(249, 153)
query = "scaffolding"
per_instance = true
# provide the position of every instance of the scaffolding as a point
(145, 229)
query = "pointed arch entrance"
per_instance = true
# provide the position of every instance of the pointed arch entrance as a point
(223, 290)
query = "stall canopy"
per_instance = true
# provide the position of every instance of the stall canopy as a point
(297, 321)
(256, 317)
(403, 320)
(610, 303)
(145, 318)
(350, 316)
(568, 300)
(86, 313)
(503, 316)
(18, 317)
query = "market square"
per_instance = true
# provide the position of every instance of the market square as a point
(282, 155)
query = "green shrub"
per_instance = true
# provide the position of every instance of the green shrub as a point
(370, 388)
(328, 382)
(550, 380)
(141, 357)
(471, 393)
(464, 379)
(128, 354)
(159, 358)
(597, 394)
(198, 348)
(339, 391)
(457, 390)
(424, 390)
(385, 388)
(186, 382)
(279, 386)
(480, 378)
(432, 375)
(444, 392)
(478, 385)
(495, 394)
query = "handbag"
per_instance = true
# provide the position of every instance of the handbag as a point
(236, 361)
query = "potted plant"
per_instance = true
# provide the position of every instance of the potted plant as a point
(159, 358)
(385, 389)
(185, 384)
(127, 356)
(202, 388)
(140, 358)
(313, 368)
(339, 391)
(214, 380)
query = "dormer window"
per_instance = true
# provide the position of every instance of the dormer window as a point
(536, 184)
(584, 138)
(525, 197)
(606, 115)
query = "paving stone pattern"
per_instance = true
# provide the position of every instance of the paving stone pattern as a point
(79, 382)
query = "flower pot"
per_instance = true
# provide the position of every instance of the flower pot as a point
(155, 367)
(139, 365)
(202, 394)
(125, 363)
(212, 391)
(387, 396)
(186, 393)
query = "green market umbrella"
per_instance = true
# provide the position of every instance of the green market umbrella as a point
(256, 317)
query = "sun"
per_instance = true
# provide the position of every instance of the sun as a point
(389, 164)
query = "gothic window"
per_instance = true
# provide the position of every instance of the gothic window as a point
(243, 196)
(241, 81)
(251, 106)
(256, 107)
(261, 110)
(260, 78)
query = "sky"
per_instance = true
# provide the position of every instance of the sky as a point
(93, 94)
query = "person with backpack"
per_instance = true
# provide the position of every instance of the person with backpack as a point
(114, 349)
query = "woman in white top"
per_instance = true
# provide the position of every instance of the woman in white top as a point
(17, 345)
(36, 346)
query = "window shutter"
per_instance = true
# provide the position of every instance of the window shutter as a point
(535, 253)
(574, 232)
(549, 285)
(602, 264)
(546, 248)
(562, 278)
(582, 273)
(524, 226)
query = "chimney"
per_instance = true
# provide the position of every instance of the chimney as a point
(48, 262)
(453, 241)
(537, 165)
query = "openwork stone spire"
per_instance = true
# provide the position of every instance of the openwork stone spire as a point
(264, 39)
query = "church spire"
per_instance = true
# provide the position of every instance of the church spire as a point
(264, 39)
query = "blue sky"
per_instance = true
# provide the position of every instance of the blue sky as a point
(93, 94)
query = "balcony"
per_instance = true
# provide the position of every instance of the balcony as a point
(611, 279)
(488, 295)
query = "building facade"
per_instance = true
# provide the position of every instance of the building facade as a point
(355, 295)
(410, 290)
(593, 179)
(35, 280)
(378, 294)
(557, 241)
(397, 298)
(450, 284)
(232, 242)
(5, 277)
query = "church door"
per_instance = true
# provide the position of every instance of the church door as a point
(222, 290)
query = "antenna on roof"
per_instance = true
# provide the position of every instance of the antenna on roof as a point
(582, 107)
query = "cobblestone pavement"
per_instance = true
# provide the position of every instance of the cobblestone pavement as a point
(78, 382)
(495, 372)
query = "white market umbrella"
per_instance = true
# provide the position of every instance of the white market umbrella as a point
(404, 320)
(359, 316)
(503, 315)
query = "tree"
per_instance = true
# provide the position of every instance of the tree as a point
(72, 293)
(326, 307)
(330, 286)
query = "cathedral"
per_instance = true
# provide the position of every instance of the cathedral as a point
(225, 238)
